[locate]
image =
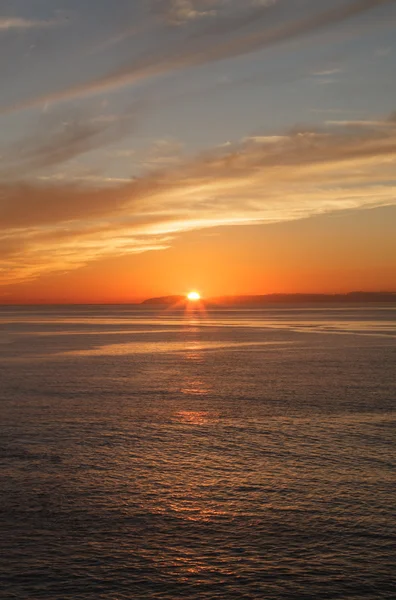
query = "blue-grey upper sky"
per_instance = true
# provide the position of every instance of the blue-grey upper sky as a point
(126, 122)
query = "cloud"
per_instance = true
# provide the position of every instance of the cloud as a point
(224, 14)
(236, 18)
(389, 123)
(207, 16)
(9, 23)
(201, 49)
(163, 153)
(62, 136)
(177, 12)
(327, 72)
(305, 172)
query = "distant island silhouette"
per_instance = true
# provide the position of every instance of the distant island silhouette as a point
(262, 300)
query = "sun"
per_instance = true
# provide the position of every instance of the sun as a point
(193, 296)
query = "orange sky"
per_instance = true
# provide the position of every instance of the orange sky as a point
(341, 252)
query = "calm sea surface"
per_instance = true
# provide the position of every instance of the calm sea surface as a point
(233, 454)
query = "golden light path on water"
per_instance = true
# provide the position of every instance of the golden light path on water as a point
(173, 453)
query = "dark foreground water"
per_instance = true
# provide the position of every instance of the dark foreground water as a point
(239, 454)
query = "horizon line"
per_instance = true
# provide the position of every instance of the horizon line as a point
(324, 295)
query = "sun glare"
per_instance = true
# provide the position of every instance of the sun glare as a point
(193, 296)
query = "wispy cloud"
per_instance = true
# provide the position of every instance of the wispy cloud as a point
(177, 12)
(202, 49)
(19, 23)
(163, 153)
(389, 123)
(181, 12)
(59, 225)
(327, 72)
(62, 136)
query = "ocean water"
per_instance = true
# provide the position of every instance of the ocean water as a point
(199, 455)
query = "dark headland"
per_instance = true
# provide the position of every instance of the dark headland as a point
(263, 300)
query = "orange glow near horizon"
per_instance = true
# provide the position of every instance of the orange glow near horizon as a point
(328, 254)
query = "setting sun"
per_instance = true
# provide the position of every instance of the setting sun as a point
(193, 296)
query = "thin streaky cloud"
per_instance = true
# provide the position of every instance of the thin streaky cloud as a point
(203, 52)
(49, 227)
(120, 37)
(299, 156)
(8, 23)
(326, 73)
(178, 12)
(63, 136)
(388, 123)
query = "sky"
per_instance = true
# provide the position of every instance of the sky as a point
(151, 147)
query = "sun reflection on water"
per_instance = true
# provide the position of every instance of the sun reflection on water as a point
(196, 388)
(196, 417)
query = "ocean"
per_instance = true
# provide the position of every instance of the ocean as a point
(222, 454)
